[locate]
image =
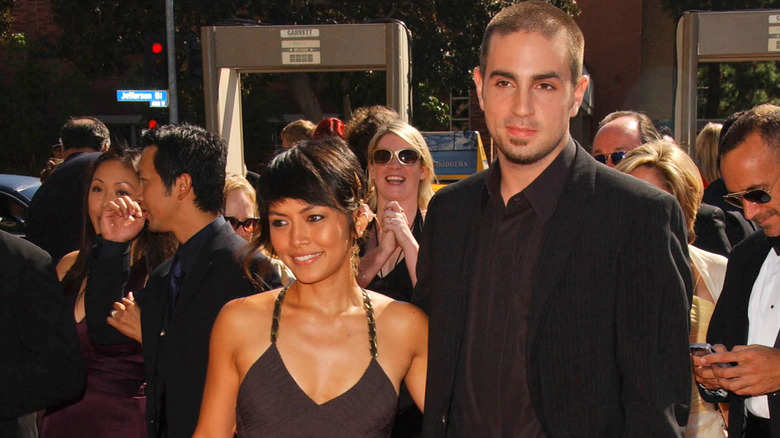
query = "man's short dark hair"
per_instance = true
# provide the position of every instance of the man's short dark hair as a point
(195, 151)
(84, 132)
(539, 17)
(762, 119)
(647, 130)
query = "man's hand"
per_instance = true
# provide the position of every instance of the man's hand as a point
(702, 371)
(757, 371)
(126, 317)
(121, 220)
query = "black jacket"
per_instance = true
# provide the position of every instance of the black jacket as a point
(175, 374)
(607, 344)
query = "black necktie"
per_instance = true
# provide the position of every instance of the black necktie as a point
(177, 273)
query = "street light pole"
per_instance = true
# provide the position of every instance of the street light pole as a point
(173, 102)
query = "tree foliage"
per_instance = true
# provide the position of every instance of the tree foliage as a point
(105, 38)
(5, 19)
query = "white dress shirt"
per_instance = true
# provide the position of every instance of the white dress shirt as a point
(764, 319)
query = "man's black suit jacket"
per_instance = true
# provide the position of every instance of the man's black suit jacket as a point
(41, 362)
(216, 278)
(710, 229)
(56, 214)
(729, 324)
(607, 344)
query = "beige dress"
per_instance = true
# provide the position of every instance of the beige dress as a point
(705, 420)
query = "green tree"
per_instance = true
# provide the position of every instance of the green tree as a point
(5, 19)
(105, 38)
(39, 91)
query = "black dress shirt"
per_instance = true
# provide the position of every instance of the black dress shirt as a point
(491, 393)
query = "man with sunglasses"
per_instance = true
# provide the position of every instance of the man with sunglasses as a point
(620, 132)
(745, 325)
(557, 289)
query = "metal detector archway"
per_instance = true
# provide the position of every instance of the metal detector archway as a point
(734, 36)
(229, 51)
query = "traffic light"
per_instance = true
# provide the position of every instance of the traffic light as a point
(156, 63)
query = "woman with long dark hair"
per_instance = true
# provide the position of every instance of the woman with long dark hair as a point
(113, 404)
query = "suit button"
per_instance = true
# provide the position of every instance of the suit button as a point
(444, 420)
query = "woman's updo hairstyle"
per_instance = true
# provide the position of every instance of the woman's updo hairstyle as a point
(321, 171)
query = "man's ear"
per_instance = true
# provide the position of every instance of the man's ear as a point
(478, 83)
(579, 94)
(182, 186)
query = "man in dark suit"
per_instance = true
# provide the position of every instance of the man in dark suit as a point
(42, 365)
(745, 324)
(557, 288)
(55, 216)
(182, 173)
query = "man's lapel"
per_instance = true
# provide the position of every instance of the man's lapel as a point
(563, 230)
(195, 278)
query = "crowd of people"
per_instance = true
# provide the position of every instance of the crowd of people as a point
(556, 294)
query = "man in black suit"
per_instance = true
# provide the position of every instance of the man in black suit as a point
(182, 173)
(42, 365)
(746, 324)
(55, 216)
(557, 288)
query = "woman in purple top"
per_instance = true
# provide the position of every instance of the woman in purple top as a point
(113, 403)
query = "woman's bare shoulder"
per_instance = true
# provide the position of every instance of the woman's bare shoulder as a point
(66, 262)
(401, 316)
(240, 313)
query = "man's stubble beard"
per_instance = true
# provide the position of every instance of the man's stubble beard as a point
(524, 159)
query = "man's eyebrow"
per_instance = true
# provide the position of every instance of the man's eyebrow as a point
(548, 75)
(502, 73)
(536, 77)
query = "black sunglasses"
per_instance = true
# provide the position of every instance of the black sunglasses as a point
(407, 157)
(250, 224)
(756, 196)
(614, 156)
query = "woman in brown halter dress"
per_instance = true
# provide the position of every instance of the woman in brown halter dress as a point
(322, 357)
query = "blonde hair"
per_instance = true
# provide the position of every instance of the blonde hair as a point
(678, 171)
(238, 182)
(705, 154)
(413, 138)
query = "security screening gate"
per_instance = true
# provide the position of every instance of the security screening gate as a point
(734, 36)
(229, 51)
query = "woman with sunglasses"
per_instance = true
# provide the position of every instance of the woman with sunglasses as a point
(241, 206)
(669, 168)
(242, 214)
(400, 169)
(322, 357)
(113, 404)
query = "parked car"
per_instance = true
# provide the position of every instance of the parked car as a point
(16, 192)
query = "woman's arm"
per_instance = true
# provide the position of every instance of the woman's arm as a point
(396, 221)
(373, 260)
(416, 376)
(65, 263)
(218, 409)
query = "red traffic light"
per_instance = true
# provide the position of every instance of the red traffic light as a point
(157, 48)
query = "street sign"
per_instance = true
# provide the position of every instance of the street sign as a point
(156, 98)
